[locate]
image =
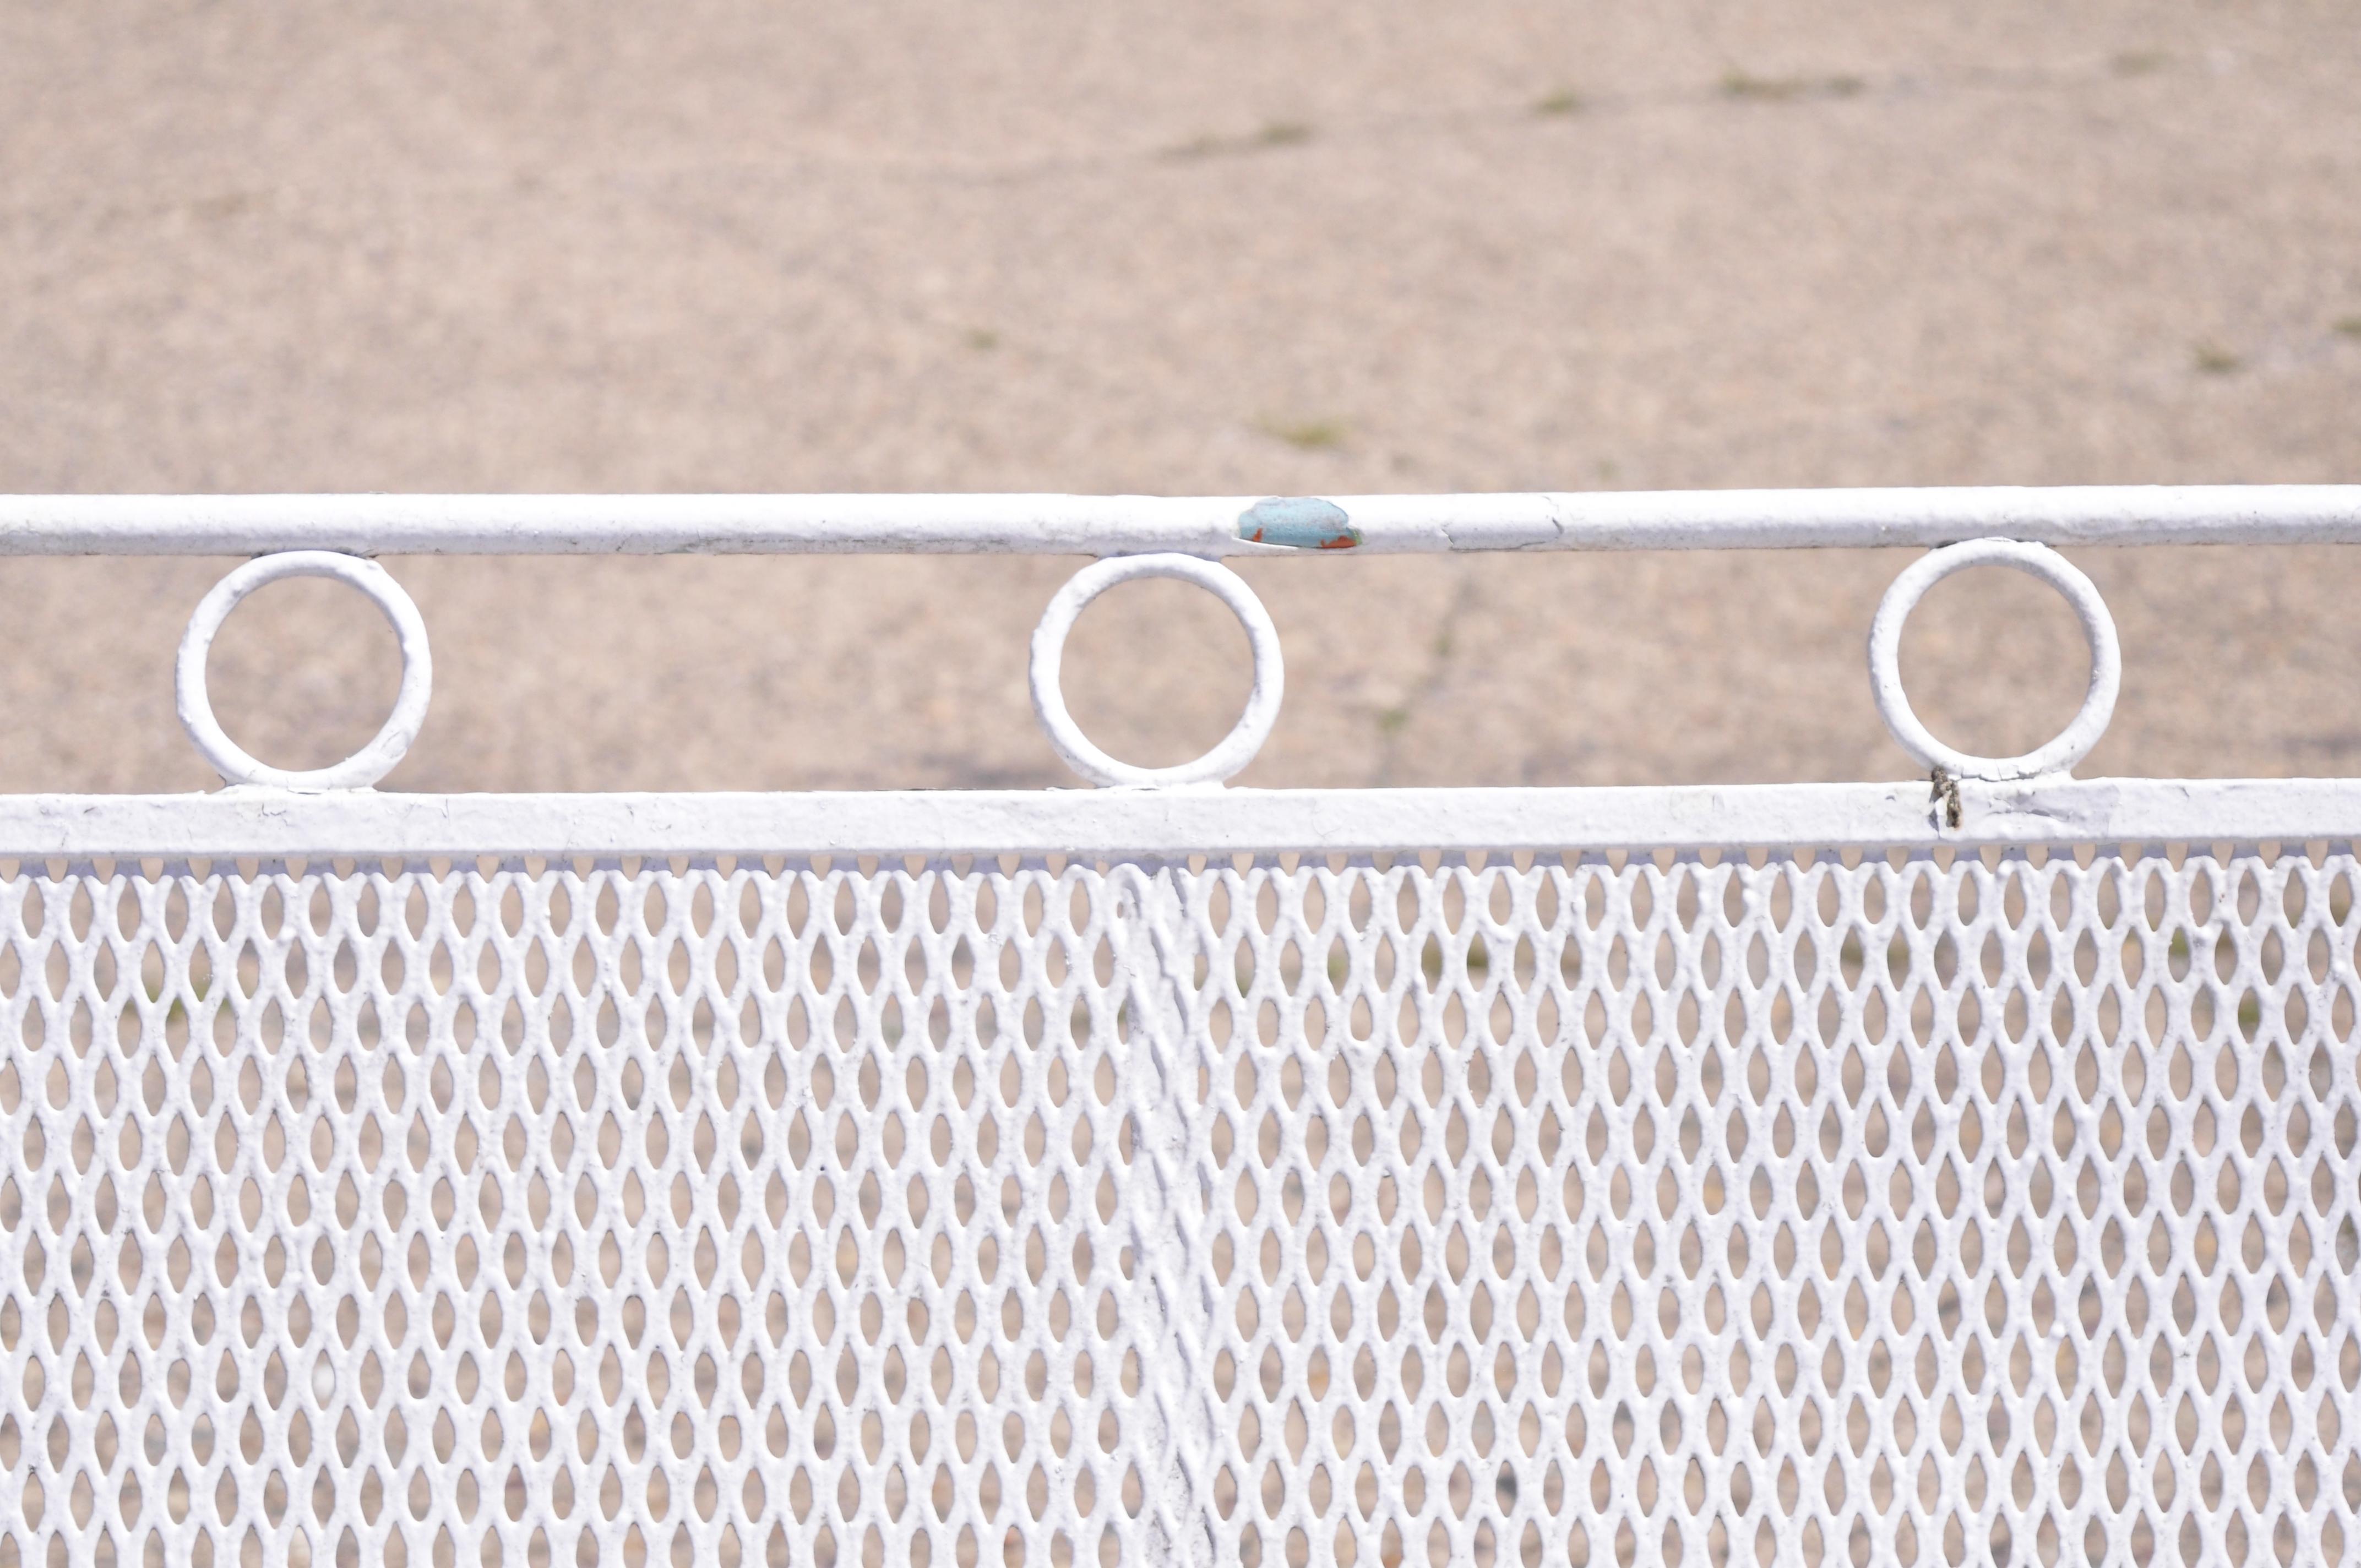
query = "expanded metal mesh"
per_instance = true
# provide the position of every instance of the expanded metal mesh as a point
(1818, 1209)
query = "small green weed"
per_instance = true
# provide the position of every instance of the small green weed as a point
(1746, 87)
(1307, 436)
(1276, 134)
(2212, 359)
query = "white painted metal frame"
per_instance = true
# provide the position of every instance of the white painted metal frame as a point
(1127, 824)
(2029, 799)
(1205, 526)
(1966, 1169)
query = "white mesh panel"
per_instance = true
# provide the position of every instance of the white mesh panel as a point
(1590, 1211)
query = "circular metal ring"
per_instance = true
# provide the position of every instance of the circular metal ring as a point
(2073, 743)
(364, 767)
(1245, 738)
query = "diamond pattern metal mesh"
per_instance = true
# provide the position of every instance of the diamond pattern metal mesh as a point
(1591, 1211)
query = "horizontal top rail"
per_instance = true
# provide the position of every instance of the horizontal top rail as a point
(1174, 823)
(1203, 526)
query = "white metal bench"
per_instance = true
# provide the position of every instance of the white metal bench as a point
(1952, 1172)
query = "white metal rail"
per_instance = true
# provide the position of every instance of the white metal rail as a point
(1207, 526)
(1960, 1169)
(1125, 824)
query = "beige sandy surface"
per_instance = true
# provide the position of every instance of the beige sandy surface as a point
(1278, 249)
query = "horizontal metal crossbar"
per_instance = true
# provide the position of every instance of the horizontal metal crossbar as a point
(277, 824)
(1218, 525)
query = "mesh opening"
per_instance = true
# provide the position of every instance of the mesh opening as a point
(1600, 1210)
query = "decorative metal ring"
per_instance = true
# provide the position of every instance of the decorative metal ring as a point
(364, 767)
(2073, 743)
(1236, 750)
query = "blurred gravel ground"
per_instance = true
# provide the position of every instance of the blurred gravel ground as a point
(1257, 249)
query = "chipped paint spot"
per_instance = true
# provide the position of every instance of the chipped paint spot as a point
(1298, 523)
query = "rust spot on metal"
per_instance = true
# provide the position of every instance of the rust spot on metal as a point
(1299, 522)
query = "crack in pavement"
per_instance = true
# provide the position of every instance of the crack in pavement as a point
(1739, 91)
(1394, 722)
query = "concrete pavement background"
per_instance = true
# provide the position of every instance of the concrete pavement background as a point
(1274, 248)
